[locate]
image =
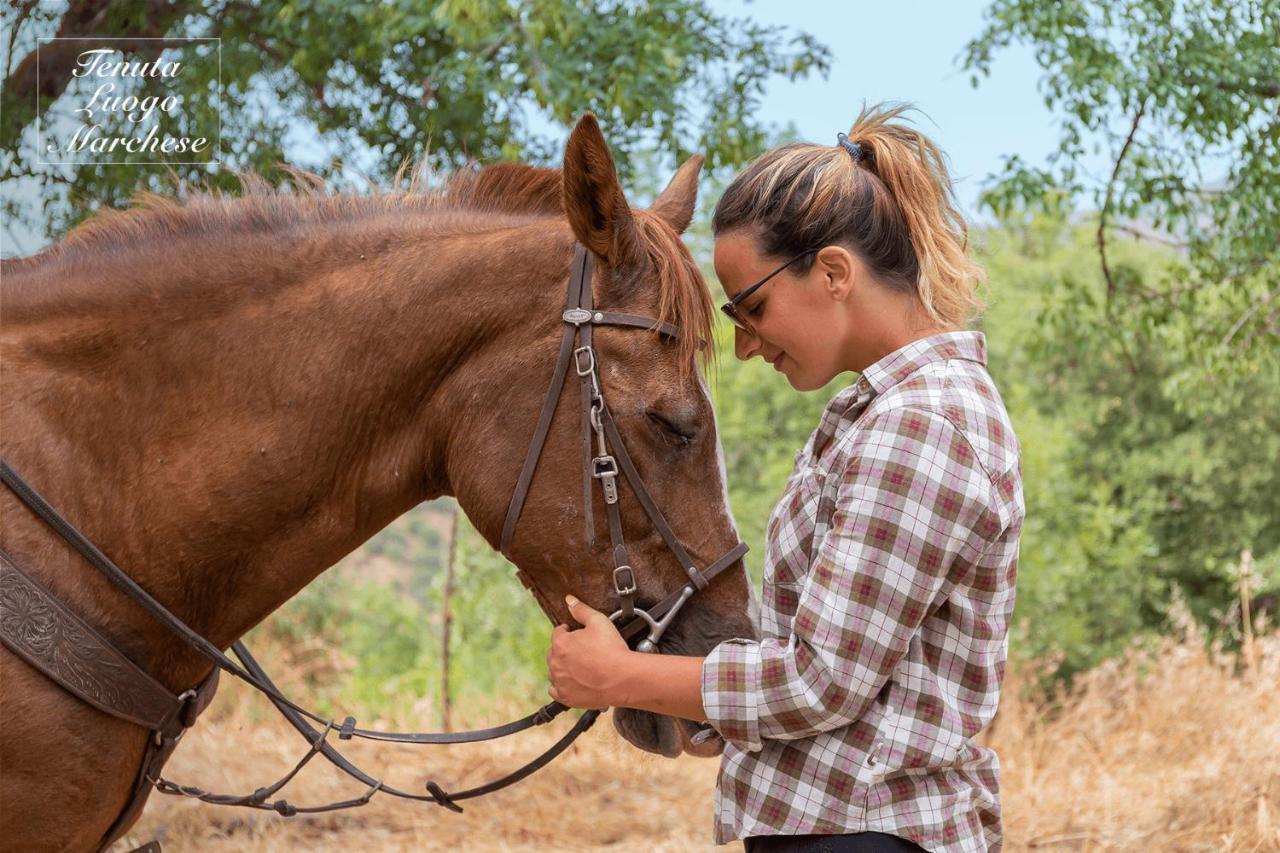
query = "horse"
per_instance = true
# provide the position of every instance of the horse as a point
(227, 394)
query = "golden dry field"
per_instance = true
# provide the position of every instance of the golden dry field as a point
(1172, 750)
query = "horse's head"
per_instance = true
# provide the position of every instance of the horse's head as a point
(659, 402)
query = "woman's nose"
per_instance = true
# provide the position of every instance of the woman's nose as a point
(745, 344)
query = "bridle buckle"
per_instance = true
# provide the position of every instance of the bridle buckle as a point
(627, 587)
(590, 364)
(606, 471)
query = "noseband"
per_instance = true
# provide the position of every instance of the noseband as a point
(600, 435)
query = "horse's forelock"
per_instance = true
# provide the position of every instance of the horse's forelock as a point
(683, 299)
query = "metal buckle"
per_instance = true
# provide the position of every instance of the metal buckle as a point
(606, 471)
(630, 588)
(591, 361)
(576, 316)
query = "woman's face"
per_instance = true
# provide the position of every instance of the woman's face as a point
(800, 320)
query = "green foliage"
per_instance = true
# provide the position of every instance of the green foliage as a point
(1135, 494)
(375, 83)
(1183, 97)
(381, 612)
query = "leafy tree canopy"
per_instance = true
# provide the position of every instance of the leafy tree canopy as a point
(1184, 96)
(375, 83)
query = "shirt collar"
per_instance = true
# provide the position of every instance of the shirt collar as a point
(904, 361)
(889, 371)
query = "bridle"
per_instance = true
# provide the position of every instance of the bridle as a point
(123, 690)
(600, 465)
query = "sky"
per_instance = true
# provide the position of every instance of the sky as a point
(901, 51)
(907, 51)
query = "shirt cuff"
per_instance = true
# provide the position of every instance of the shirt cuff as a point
(731, 692)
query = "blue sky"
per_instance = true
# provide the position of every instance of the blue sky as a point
(907, 51)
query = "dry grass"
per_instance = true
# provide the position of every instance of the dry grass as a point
(1172, 750)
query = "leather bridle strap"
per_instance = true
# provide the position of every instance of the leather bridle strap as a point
(611, 453)
(548, 406)
(656, 518)
(260, 798)
(100, 561)
(254, 675)
(637, 626)
(579, 317)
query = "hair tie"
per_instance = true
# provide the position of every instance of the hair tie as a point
(854, 149)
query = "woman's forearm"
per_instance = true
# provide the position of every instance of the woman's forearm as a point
(664, 684)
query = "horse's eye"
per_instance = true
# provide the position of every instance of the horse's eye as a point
(670, 429)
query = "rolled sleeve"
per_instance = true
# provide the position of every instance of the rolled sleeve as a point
(730, 685)
(913, 508)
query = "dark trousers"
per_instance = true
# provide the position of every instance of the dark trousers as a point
(857, 842)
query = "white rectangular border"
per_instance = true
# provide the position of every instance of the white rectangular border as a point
(40, 136)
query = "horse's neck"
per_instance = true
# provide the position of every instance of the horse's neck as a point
(253, 446)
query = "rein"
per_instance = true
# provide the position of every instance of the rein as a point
(168, 717)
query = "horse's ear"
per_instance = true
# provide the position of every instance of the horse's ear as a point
(675, 204)
(593, 199)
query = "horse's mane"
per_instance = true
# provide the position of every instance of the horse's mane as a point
(499, 195)
(505, 190)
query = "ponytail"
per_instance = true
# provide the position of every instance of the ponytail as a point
(884, 192)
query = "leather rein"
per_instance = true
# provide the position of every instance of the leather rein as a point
(115, 685)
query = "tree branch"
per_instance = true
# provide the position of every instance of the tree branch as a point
(1102, 229)
(1153, 236)
(24, 10)
(1106, 204)
(43, 74)
(1244, 318)
(1264, 88)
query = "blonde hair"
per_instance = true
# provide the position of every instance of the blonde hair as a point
(894, 205)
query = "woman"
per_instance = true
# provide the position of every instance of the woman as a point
(891, 557)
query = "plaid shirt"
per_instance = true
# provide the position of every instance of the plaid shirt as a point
(888, 587)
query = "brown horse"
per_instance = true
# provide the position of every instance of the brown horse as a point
(227, 395)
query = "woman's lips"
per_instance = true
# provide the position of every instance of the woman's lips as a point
(777, 361)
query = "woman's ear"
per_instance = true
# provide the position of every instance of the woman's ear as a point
(597, 209)
(840, 271)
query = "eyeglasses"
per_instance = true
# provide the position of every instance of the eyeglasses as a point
(730, 308)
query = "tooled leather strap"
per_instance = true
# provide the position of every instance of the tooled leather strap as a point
(43, 631)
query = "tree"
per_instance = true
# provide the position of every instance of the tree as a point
(1185, 97)
(375, 83)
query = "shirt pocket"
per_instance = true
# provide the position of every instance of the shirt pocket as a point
(792, 529)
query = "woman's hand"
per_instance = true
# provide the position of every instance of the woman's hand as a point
(588, 665)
